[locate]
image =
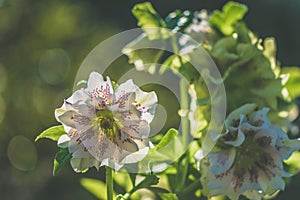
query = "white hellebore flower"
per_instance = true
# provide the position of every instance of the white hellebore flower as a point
(247, 159)
(106, 126)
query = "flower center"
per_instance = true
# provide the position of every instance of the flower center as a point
(248, 154)
(252, 157)
(105, 124)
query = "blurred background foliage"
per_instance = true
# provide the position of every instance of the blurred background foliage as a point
(42, 44)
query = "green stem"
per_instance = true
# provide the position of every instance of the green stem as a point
(184, 106)
(183, 94)
(183, 85)
(109, 183)
(191, 187)
(175, 48)
(174, 44)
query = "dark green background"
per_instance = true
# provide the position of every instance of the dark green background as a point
(30, 28)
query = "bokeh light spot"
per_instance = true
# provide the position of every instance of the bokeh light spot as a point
(22, 153)
(54, 66)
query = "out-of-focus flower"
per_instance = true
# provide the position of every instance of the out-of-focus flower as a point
(196, 33)
(248, 157)
(199, 27)
(106, 126)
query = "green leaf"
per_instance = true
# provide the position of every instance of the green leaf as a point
(123, 180)
(52, 133)
(144, 59)
(150, 21)
(293, 162)
(293, 83)
(158, 159)
(132, 178)
(61, 158)
(186, 69)
(224, 51)
(181, 176)
(96, 187)
(203, 102)
(163, 193)
(147, 182)
(225, 20)
(243, 33)
(251, 68)
(168, 196)
(167, 138)
(158, 190)
(168, 63)
(270, 53)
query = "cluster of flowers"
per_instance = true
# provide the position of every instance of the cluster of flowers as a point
(248, 158)
(109, 125)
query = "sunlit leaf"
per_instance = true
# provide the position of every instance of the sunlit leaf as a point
(122, 179)
(168, 151)
(52, 133)
(293, 162)
(198, 193)
(168, 196)
(167, 138)
(61, 158)
(150, 21)
(96, 187)
(225, 20)
(293, 83)
(270, 53)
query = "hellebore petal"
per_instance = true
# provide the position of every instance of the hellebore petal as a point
(248, 159)
(63, 141)
(103, 126)
(221, 161)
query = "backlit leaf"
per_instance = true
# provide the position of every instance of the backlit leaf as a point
(52, 133)
(150, 21)
(225, 20)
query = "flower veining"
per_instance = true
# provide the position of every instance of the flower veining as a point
(107, 125)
